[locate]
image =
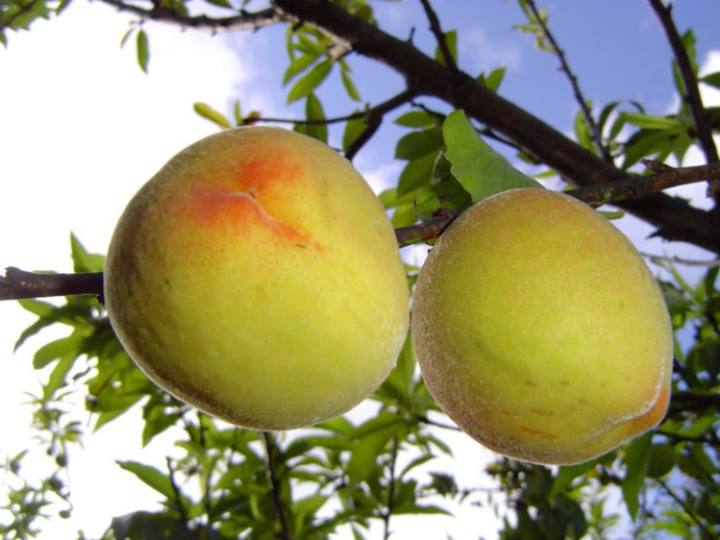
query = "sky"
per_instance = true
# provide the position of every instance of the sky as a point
(82, 128)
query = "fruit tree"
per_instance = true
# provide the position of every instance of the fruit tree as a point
(256, 290)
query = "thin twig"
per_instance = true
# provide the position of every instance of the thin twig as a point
(579, 97)
(692, 96)
(436, 29)
(17, 284)
(178, 497)
(244, 21)
(428, 421)
(391, 491)
(630, 188)
(270, 449)
(712, 263)
(689, 511)
(686, 438)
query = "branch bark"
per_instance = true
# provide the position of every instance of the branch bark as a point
(579, 97)
(244, 21)
(692, 96)
(674, 218)
(18, 284)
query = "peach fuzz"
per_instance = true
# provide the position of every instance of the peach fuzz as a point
(257, 277)
(540, 330)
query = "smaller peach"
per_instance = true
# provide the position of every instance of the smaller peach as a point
(540, 330)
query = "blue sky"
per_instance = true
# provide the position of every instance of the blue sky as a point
(617, 49)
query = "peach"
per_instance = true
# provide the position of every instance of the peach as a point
(257, 277)
(540, 330)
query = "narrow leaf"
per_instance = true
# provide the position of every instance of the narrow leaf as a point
(207, 112)
(143, 50)
(349, 85)
(310, 81)
(478, 168)
(636, 459)
(151, 476)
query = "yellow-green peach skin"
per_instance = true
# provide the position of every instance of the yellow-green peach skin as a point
(540, 330)
(257, 277)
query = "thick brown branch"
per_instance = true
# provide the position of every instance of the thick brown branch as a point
(244, 21)
(633, 187)
(693, 401)
(675, 219)
(692, 93)
(636, 187)
(17, 284)
(579, 97)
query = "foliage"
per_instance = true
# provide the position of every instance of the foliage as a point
(345, 474)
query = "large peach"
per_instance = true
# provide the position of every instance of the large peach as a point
(257, 277)
(540, 330)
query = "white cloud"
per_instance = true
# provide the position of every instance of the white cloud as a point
(82, 129)
(484, 54)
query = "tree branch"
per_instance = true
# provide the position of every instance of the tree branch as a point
(693, 401)
(692, 96)
(391, 491)
(436, 29)
(178, 497)
(275, 485)
(633, 187)
(18, 284)
(675, 219)
(244, 21)
(689, 511)
(579, 97)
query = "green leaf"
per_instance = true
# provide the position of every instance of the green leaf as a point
(401, 377)
(220, 3)
(143, 50)
(567, 474)
(151, 476)
(637, 457)
(713, 79)
(314, 111)
(605, 114)
(56, 349)
(297, 66)
(582, 133)
(349, 85)
(310, 81)
(208, 113)
(493, 79)
(646, 143)
(237, 113)
(416, 173)
(56, 380)
(416, 144)
(478, 168)
(417, 119)
(126, 36)
(83, 261)
(649, 121)
(353, 129)
(372, 437)
(157, 420)
(662, 460)
(404, 215)
(451, 42)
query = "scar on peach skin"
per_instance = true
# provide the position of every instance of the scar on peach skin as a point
(240, 199)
